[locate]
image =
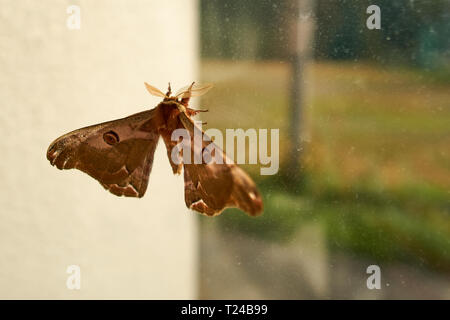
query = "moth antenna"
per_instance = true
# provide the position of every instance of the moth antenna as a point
(169, 91)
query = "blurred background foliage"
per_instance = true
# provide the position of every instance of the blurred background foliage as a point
(414, 32)
(376, 163)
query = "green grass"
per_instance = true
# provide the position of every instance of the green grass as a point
(387, 226)
(376, 170)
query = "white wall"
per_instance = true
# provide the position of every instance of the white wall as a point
(54, 80)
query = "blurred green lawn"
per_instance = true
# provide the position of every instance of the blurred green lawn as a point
(376, 162)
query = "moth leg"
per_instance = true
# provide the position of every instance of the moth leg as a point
(193, 112)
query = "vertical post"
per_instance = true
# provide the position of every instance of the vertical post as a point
(301, 31)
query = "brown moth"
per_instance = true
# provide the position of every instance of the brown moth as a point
(119, 154)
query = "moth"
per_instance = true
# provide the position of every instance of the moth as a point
(119, 154)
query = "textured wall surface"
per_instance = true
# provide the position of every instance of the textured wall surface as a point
(54, 80)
